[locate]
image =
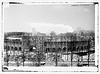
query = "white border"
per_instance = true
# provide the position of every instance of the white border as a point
(62, 68)
(96, 33)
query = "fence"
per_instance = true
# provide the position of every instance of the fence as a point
(48, 51)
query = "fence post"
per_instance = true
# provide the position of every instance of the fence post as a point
(7, 58)
(88, 52)
(72, 53)
(56, 58)
(23, 51)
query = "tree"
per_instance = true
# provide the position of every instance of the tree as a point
(38, 58)
(53, 33)
(6, 59)
(55, 58)
(18, 59)
(71, 36)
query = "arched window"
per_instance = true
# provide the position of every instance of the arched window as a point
(82, 48)
(11, 48)
(74, 48)
(5, 47)
(47, 50)
(64, 49)
(53, 49)
(8, 48)
(16, 42)
(77, 48)
(69, 48)
(20, 42)
(19, 48)
(16, 49)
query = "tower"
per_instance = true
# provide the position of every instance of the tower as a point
(33, 31)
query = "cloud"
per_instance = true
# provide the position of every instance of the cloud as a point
(48, 27)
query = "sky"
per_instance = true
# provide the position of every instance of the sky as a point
(45, 18)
